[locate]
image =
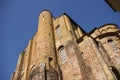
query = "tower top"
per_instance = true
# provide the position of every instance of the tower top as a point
(45, 19)
(45, 12)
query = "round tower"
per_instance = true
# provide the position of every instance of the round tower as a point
(45, 46)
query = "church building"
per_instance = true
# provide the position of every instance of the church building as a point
(62, 50)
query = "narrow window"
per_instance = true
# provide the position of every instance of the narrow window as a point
(58, 30)
(50, 60)
(62, 55)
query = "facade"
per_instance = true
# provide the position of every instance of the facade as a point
(114, 4)
(62, 50)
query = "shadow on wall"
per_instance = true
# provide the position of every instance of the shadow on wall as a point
(116, 72)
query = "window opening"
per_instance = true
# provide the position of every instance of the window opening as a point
(62, 55)
(50, 60)
(58, 30)
(112, 43)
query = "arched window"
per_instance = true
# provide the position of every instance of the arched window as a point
(112, 43)
(62, 54)
(58, 30)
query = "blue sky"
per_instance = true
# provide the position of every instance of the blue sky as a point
(19, 19)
